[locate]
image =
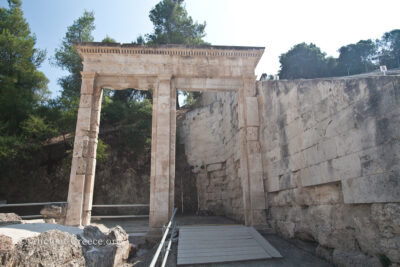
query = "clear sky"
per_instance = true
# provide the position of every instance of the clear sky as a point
(275, 24)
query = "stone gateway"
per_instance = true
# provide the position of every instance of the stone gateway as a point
(164, 69)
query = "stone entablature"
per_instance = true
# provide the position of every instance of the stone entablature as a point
(176, 50)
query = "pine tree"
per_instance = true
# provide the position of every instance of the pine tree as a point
(22, 86)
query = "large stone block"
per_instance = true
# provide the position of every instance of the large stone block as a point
(297, 162)
(83, 121)
(313, 155)
(321, 109)
(86, 101)
(75, 199)
(294, 128)
(346, 167)
(382, 187)
(339, 123)
(272, 184)
(252, 117)
(81, 146)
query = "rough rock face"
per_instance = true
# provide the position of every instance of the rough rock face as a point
(56, 248)
(9, 218)
(105, 250)
(52, 248)
(6, 247)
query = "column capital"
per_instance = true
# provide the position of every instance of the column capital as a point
(88, 75)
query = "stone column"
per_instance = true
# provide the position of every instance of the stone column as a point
(250, 154)
(80, 192)
(162, 175)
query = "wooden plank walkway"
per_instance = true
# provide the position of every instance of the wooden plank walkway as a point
(225, 243)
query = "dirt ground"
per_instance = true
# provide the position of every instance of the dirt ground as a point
(294, 252)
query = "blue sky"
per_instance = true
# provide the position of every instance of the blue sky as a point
(277, 25)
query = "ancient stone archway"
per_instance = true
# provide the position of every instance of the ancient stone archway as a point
(164, 69)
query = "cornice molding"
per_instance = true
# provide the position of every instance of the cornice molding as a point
(214, 51)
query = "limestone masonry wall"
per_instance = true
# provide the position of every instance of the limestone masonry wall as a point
(331, 151)
(331, 162)
(211, 140)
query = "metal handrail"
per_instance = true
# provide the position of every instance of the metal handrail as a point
(119, 205)
(30, 204)
(117, 216)
(168, 249)
(155, 258)
(95, 206)
(31, 216)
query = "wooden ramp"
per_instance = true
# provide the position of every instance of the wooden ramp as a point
(211, 244)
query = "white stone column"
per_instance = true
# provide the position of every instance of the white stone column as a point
(250, 155)
(162, 175)
(80, 192)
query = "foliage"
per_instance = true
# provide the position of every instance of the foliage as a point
(389, 49)
(68, 59)
(108, 39)
(132, 118)
(22, 86)
(23, 89)
(304, 61)
(102, 153)
(36, 128)
(308, 61)
(10, 148)
(173, 25)
(357, 58)
(191, 98)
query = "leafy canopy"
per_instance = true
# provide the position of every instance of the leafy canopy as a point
(357, 58)
(173, 25)
(22, 85)
(303, 61)
(389, 49)
(68, 59)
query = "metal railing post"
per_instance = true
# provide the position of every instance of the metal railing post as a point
(155, 258)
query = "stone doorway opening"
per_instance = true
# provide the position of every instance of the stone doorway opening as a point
(211, 152)
(123, 169)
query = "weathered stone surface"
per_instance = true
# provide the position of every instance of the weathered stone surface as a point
(214, 167)
(57, 248)
(111, 249)
(327, 151)
(372, 189)
(210, 136)
(350, 259)
(6, 250)
(52, 248)
(9, 218)
(56, 212)
(345, 196)
(164, 69)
